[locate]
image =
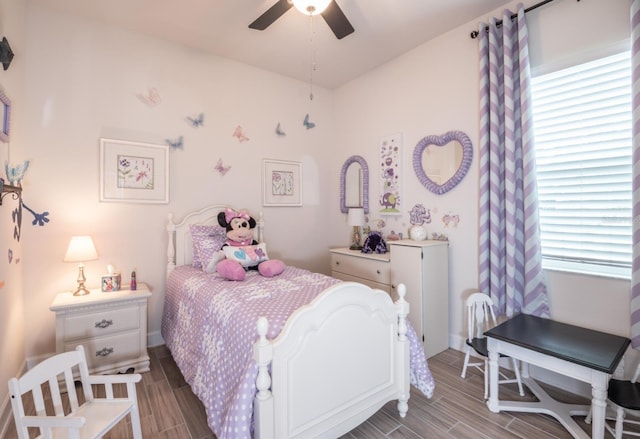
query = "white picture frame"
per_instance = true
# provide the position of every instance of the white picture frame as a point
(281, 183)
(133, 172)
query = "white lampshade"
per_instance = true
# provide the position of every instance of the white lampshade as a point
(311, 7)
(81, 249)
(355, 217)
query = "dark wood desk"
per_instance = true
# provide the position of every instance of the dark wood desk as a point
(580, 353)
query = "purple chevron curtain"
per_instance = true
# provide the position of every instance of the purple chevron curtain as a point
(510, 262)
(635, 80)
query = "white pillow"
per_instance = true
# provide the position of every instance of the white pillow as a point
(248, 255)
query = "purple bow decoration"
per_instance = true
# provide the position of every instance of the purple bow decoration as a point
(230, 214)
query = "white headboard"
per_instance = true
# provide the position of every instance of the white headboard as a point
(179, 248)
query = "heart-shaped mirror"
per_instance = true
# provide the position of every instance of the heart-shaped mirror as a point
(447, 159)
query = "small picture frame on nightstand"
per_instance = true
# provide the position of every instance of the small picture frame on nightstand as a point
(110, 282)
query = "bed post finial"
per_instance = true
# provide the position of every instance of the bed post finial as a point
(260, 227)
(263, 354)
(171, 245)
(263, 404)
(402, 307)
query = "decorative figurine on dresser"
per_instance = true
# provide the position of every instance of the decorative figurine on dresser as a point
(112, 327)
(423, 266)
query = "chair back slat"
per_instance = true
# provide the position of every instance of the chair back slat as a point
(71, 389)
(56, 398)
(38, 400)
(636, 374)
(480, 315)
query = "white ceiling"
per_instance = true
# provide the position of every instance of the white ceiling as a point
(384, 29)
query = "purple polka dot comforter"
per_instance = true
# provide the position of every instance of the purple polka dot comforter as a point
(209, 325)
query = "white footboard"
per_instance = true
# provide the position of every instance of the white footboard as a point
(335, 363)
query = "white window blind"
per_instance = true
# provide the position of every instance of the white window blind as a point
(582, 129)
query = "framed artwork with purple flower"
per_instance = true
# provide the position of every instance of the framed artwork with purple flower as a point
(134, 172)
(281, 183)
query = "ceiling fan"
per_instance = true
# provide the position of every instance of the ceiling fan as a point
(329, 10)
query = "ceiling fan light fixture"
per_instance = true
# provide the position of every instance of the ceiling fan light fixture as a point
(311, 7)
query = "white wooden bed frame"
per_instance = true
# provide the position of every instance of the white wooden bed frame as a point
(336, 362)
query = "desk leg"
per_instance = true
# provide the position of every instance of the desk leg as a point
(599, 385)
(493, 403)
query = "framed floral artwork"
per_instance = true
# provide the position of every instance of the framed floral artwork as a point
(281, 183)
(134, 172)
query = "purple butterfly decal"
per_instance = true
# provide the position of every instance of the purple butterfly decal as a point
(176, 144)
(151, 99)
(220, 168)
(197, 121)
(239, 134)
(307, 123)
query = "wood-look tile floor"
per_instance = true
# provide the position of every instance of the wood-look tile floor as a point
(168, 408)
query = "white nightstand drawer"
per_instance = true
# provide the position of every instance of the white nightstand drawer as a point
(370, 269)
(107, 350)
(104, 322)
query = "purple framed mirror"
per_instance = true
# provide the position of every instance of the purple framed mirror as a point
(354, 184)
(5, 112)
(441, 162)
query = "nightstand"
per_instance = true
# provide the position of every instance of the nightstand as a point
(111, 326)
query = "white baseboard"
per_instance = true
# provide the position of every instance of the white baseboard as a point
(154, 339)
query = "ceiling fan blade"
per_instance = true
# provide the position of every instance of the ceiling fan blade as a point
(337, 21)
(271, 15)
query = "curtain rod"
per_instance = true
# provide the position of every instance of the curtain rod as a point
(475, 33)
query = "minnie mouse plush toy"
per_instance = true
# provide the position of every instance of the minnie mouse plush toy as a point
(241, 251)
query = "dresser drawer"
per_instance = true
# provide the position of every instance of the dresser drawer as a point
(103, 322)
(369, 269)
(102, 351)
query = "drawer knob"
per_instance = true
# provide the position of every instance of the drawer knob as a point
(104, 324)
(378, 271)
(337, 262)
(104, 352)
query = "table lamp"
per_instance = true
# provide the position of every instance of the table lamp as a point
(355, 218)
(81, 249)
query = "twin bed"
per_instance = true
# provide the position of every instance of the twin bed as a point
(297, 355)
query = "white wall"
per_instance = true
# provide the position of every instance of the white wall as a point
(434, 89)
(82, 78)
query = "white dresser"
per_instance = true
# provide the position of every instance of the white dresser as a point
(423, 266)
(112, 327)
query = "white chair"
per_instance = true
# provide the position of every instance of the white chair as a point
(91, 419)
(480, 318)
(624, 398)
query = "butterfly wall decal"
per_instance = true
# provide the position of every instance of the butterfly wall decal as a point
(196, 121)
(151, 98)
(239, 134)
(220, 168)
(279, 131)
(451, 219)
(176, 144)
(307, 123)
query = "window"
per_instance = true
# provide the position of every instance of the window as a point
(582, 129)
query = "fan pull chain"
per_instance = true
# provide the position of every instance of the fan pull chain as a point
(312, 58)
